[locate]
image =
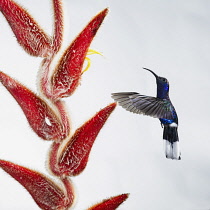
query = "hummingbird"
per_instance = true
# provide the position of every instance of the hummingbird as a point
(158, 107)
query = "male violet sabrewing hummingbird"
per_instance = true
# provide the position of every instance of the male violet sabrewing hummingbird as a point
(158, 107)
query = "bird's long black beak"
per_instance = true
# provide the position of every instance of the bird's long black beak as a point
(151, 72)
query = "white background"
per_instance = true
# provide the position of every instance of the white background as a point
(170, 37)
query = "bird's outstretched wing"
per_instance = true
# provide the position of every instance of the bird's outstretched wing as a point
(140, 104)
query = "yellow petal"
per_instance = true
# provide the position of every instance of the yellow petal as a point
(88, 64)
(90, 52)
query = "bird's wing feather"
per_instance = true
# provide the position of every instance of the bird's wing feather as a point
(147, 105)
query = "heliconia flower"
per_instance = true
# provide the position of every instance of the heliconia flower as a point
(47, 194)
(73, 158)
(110, 203)
(28, 33)
(67, 74)
(42, 119)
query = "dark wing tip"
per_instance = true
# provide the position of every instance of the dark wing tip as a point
(124, 99)
(122, 96)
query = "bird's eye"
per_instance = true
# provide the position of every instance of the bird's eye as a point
(164, 79)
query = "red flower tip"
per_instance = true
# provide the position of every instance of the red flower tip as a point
(40, 116)
(44, 191)
(68, 73)
(28, 33)
(110, 203)
(58, 25)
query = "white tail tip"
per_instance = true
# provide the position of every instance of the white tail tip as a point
(172, 150)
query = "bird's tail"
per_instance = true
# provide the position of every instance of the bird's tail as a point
(171, 140)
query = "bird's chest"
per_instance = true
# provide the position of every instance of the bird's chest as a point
(170, 123)
(166, 121)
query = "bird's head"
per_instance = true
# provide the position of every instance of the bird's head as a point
(162, 83)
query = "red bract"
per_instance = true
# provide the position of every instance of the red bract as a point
(45, 192)
(73, 159)
(28, 33)
(40, 116)
(67, 74)
(110, 203)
